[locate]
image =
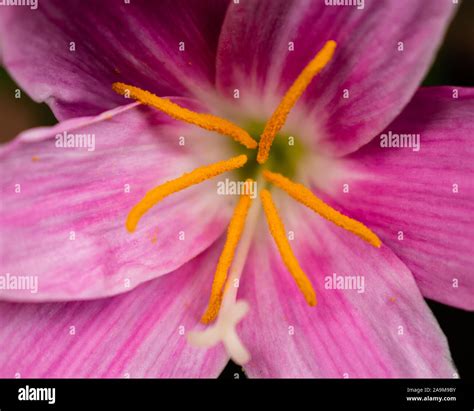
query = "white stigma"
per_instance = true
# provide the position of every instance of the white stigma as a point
(232, 311)
(224, 330)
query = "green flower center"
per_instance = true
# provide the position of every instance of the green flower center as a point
(287, 152)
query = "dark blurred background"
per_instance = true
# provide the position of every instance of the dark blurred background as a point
(453, 66)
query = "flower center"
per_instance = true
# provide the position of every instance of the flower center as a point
(276, 152)
(286, 154)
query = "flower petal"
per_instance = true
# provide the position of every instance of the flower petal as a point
(63, 210)
(379, 78)
(85, 46)
(420, 203)
(386, 331)
(134, 335)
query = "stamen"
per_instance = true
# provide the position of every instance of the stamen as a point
(234, 233)
(278, 232)
(232, 311)
(300, 193)
(278, 118)
(203, 120)
(199, 175)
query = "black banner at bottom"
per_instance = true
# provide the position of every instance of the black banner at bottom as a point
(61, 394)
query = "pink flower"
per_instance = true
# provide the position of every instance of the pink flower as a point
(124, 278)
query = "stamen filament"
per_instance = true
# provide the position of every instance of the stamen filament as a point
(302, 194)
(278, 118)
(234, 233)
(204, 120)
(278, 232)
(196, 176)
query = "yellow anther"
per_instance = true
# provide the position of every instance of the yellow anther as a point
(278, 232)
(203, 120)
(199, 175)
(234, 233)
(300, 193)
(278, 118)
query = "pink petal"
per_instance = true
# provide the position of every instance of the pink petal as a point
(73, 190)
(135, 43)
(380, 79)
(134, 335)
(348, 334)
(398, 190)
